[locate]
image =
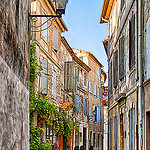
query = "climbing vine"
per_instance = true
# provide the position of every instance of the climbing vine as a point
(50, 114)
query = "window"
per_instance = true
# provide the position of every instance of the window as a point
(85, 78)
(115, 69)
(86, 106)
(98, 140)
(77, 104)
(54, 84)
(44, 77)
(44, 27)
(110, 77)
(115, 132)
(121, 58)
(132, 129)
(89, 86)
(132, 42)
(55, 39)
(97, 90)
(94, 89)
(148, 49)
(94, 137)
(110, 132)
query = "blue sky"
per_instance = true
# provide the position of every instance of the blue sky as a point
(84, 31)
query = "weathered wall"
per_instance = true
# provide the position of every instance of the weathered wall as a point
(14, 75)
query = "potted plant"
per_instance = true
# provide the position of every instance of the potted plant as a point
(82, 147)
(76, 147)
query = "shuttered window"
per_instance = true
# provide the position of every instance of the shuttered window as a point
(87, 108)
(44, 27)
(77, 103)
(54, 84)
(97, 114)
(97, 90)
(94, 89)
(93, 113)
(89, 86)
(132, 129)
(110, 77)
(90, 113)
(132, 42)
(110, 133)
(148, 49)
(55, 39)
(121, 57)
(115, 132)
(44, 77)
(115, 69)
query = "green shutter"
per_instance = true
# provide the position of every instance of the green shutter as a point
(115, 69)
(121, 58)
(132, 42)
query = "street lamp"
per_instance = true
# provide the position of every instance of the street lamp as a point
(60, 6)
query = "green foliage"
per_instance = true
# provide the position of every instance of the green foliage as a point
(51, 114)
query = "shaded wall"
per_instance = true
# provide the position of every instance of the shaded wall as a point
(14, 75)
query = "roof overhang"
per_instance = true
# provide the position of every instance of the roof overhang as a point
(106, 10)
(73, 55)
(105, 43)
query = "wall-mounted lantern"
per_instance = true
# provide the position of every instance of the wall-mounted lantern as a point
(60, 6)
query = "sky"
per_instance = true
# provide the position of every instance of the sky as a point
(82, 19)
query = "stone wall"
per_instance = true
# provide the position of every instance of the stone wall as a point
(14, 75)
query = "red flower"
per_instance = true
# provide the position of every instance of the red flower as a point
(42, 122)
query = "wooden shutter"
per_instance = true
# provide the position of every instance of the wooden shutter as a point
(84, 107)
(87, 108)
(115, 68)
(90, 113)
(97, 90)
(93, 114)
(55, 39)
(44, 28)
(116, 132)
(77, 103)
(148, 49)
(110, 78)
(110, 133)
(97, 114)
(69, 76)
(54, 84)
(94, 89)
(75, 82)
(132, 42)
(121, 58)
(44, 77)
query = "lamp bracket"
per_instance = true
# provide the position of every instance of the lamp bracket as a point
(35, 19)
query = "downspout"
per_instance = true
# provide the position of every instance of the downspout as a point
(137, 76)
(140, 123)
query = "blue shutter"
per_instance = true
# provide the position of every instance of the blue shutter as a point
(90, 113)
(148, 49)
(96, 114)
(84, 107)
(99, 92)
(94, 89)
(44, 77)
(87, 111)
(88, 86)
(77, 103)
(93, 114)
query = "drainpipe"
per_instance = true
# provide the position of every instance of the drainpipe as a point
(140, 120)
(137, 77)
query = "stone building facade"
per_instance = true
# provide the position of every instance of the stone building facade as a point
(95, 79)
(14, 74)
(128, 62)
